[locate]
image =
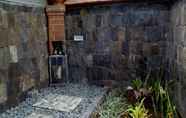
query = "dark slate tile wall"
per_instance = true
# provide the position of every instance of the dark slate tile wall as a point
(23, 52)
(176, 53)
(122, 41)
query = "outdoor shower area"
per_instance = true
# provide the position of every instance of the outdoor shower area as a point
(64, 59)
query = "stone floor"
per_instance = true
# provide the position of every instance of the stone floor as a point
(67, 101)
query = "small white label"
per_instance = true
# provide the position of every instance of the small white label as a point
(78, 38)
(13, 54)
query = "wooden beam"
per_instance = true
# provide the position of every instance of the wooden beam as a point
(75, 2)
(82, 2)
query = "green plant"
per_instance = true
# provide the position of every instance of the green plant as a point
(169, 108)
(161, 100)
(138, 110)
(145, 85)
(163, 106)
(137, 84)
(114, 105)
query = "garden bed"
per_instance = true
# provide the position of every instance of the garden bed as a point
(143, 99)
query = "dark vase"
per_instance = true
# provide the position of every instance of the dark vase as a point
(53, 2)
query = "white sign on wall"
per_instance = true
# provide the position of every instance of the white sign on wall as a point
(13, 54)
(78, 38)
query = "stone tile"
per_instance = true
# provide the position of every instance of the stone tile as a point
(146, 49)
(135, 47)
(3, 92)
(11, 19)
(178, 16)
(125, 48)
(90, 25)
(179, 35)
(106, 20)
(118, 9)
(43, 68)
(136, 33)
(184, 33)
(155, 49)
(96, 74)
(154, 34)
(179, 52)
(4, 57)
(116, 20)
(89, 60)
(59, 102)
(184, 14)
(121, 34)
(181, 14)
(163, 19)
(26, 82)
(184, 57)
(13, 37)
(78, 74)
(4, 37)
(3, 86)
(14, 88)
(99, 20)
(3, 18)
(102, 60)
(141, 17)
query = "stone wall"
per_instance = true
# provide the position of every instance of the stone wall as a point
(176, 53)
(23, 52)
(121, 41)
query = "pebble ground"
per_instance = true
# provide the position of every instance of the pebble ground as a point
(90, 94)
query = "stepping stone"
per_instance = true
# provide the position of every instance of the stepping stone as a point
(57, 102)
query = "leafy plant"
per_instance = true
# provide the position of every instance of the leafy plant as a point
(170, 109)
(147, 79)
(138, 111)
(163, 106)
(137, 84)
(161, 101)
(113, 106)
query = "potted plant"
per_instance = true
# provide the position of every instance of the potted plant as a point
(53, 2)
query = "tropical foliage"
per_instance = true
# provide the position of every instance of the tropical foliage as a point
(148, 98)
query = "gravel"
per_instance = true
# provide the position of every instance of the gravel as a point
(90, 95)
